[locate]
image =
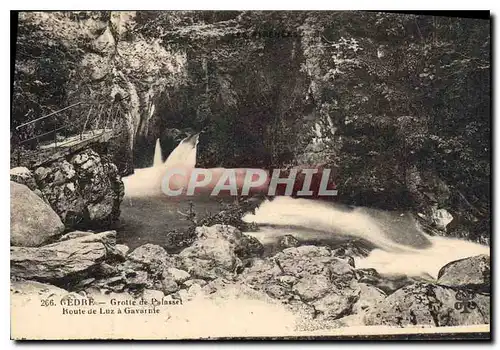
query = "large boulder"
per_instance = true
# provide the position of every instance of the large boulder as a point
(473, 272)
(84, 190)
(151, 255)
(218, 251)
(244, 246)
(54, 262)
(33, 222)
(426, 304)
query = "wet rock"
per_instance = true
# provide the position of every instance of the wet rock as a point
(288, 241)
(62, 259)
(473, 272)
(440, 217)
(33, 222)
(249, 247)
(430, 305)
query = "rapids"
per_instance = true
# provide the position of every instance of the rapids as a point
(398, 246)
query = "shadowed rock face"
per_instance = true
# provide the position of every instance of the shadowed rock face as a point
(84, 189)
(33, 222)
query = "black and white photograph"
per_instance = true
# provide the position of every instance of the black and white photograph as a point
(195, 174)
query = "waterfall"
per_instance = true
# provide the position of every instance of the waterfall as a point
(147, 181)
(185, 153)
(158, 157)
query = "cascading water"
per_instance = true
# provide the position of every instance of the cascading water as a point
(147, 181)
(158, 158)
(398, 245)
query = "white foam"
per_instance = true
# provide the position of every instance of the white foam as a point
(329, 222)
(422, 261)
(147, 181)
(288, 211)
(158, 157)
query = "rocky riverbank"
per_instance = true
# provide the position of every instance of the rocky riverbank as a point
(320, 285)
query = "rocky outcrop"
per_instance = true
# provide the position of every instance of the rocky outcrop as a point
(473, 273)
(308, 276)
(63, 259)
(84, 190)
(244, 246)
(219, 250)
(32, 221)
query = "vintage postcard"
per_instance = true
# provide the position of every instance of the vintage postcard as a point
(250, 174)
